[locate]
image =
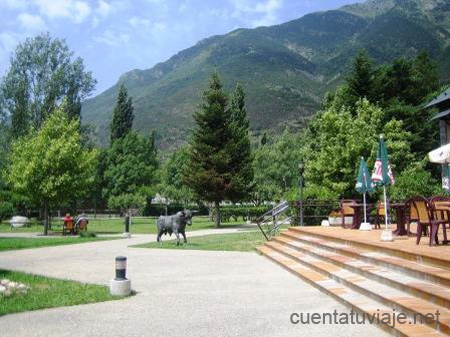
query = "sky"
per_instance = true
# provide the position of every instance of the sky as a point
(116, 36)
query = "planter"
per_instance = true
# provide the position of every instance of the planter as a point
(337, 221)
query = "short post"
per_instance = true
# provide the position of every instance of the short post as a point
(127, 234)
(120, 285)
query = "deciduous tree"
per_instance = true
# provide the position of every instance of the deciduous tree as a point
(50, 166)
(41, 76)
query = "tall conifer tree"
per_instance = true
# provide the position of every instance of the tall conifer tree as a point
(209, 172)
(241, 157)
(122, 115)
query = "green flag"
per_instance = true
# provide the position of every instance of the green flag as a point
(382, 172)
(363, 182)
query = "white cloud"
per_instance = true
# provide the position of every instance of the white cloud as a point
(113, 39)
(14, 4)
(82, 11)
(32, 22)
(77, 11)
(257, 14)
(136, 22)
(103, 8)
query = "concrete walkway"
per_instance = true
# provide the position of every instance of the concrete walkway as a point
(179, 293)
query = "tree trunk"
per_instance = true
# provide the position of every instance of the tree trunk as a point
(217, 211)
(46, 218)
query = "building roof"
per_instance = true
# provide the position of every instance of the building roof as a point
(442, 115)
(444, 96)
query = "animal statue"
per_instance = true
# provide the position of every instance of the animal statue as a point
(174, 224)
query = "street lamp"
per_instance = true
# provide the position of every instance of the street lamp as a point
(301, 182)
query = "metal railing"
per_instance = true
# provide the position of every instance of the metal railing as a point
(270, 222)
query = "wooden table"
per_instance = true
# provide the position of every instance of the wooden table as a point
(400, 212)
(357, 210)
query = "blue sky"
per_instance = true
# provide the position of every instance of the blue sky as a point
(115, 36)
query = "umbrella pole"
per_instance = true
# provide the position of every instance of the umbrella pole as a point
(386, 235)
(365, 212)
(385, 209)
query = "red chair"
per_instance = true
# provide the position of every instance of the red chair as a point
(68, 226)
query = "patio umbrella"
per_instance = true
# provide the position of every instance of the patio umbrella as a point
(382, 176)
(442, 156)
(364, 185)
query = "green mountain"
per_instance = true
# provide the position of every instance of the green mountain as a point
(285, 69)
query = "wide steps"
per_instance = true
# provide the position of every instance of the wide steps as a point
(392, 297)
(400, 248)
(415, 269)
(344, 292)
(425, 290)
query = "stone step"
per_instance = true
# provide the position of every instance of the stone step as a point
(418, 270)
(389, 296)
(401, 248)
(357, 301)
(425, 290)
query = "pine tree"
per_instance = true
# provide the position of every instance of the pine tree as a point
(241, 157)
(264, 139)
(122, 115)
(208, 172)
(360, 80)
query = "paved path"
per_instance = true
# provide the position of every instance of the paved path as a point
(179, 293)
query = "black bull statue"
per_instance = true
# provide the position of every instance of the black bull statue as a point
(174, 224)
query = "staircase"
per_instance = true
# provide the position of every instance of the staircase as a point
(369, 277)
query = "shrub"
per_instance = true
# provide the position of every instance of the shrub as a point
(412, 182)
(6, 210)
(87, 234)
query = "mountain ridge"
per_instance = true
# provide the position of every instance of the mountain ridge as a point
(285, 69)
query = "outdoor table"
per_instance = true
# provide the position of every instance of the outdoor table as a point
(400, 212)
(358, 209)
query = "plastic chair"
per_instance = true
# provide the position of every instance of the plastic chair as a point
(425, 218)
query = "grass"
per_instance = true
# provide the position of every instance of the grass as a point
(243, 242)
(47, 292)
(24, 243)
(115, 226)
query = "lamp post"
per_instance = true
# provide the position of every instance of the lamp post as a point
(301, 182)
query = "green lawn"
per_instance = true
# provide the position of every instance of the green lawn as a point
(23, 243)
(115, 226)
(243, 242)
(49, 293)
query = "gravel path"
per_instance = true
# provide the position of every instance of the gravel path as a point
(179, 293)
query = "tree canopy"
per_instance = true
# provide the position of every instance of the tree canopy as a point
(131, 165)
(50, 166)
(41, 76)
